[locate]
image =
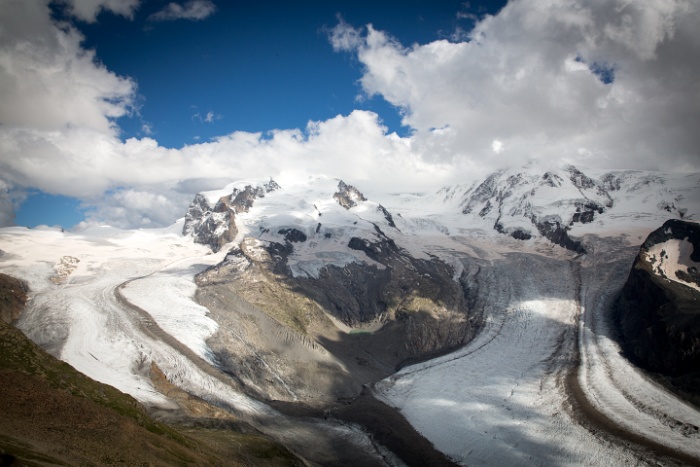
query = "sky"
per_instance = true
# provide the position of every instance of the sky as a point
(119, 111)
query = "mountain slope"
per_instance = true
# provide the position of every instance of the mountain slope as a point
(562, 205)
(318, 294)
(323, 266)
(51, 414)
(324, 262)
(658, 311)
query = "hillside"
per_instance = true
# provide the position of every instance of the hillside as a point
(52, 415)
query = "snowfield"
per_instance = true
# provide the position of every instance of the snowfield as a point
(534, 387)
(82, 320)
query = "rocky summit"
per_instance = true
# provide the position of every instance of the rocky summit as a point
(658, 311)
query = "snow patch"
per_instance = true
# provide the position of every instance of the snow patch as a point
(672, 257)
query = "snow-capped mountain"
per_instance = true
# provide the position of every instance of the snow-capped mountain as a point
(561, 205)
(211, 218)
(471, 310)
(565, 204)
(320, 221)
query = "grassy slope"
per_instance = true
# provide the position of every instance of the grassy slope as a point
(50, 414)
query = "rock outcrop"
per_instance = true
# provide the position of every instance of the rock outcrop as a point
(13, 296)
(348, 196)
(658, 311)
(216, 225)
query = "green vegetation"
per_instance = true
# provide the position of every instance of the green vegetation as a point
(51, 414)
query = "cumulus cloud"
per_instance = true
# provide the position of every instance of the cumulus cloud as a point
(604, 83)
(87, 10)
(193, 10)
(8, 199)
(48, 81)
(139, 207)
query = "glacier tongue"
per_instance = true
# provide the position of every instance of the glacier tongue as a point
(380, 281)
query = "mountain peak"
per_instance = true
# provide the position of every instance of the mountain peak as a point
(348, 196)
(215, 225)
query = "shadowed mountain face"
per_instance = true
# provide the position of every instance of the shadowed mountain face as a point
(658, 311)
(336, 290)
(323, 320)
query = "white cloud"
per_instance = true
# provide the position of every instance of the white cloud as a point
(209, 117)
(344, 37)
(145, 207)
(521, 88)
(497, 146)
(525, 78)
(9, 198)
(48, 81)
(193, 10)
(87, 10)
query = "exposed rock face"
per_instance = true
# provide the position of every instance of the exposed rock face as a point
(65, 266)
(13, 296)
(348, 196)
(387, 215)
(329, 300)
(399, 310)
(215, 226)
(658, 311)
(551, 228)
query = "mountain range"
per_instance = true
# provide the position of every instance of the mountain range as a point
(493, 322)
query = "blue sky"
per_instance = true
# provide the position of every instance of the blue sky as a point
(118, 112)
(256, 66)
(249, 66)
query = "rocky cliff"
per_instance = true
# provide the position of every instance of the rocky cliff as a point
(658, 311)
(215, 225)
(324, 270)
(13, 296)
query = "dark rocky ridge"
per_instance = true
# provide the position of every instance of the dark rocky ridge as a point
(347, 195)
(396, 308)
(216, 226)
(659, 319)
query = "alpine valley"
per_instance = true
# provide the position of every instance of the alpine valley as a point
(536, 317)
